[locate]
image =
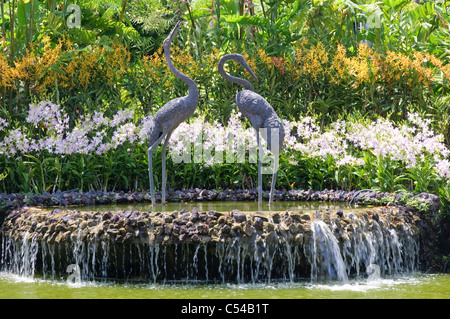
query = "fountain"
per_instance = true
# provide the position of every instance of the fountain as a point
(211, 246)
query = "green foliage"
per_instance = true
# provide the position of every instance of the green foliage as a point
(270, 33)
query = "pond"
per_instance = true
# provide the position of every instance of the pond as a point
(410, 286)
(224, 206)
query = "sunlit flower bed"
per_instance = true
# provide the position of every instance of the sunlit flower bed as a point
(356, 146)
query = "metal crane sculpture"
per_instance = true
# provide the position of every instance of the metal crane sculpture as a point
(168, 117)
(260, 114)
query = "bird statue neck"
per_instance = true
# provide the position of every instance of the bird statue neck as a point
(192, 87)
(234, 79)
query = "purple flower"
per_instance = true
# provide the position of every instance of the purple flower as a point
(3, 124)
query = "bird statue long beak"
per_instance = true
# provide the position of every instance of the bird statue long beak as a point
(173, 32)
(249, 69)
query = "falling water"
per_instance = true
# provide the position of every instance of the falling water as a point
(324, 254)
(374, 243)
(326, 251)
(20, 257)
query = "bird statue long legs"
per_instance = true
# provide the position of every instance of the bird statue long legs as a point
(150, 167)
(168, 117)
(275, 153)
(164, 175)
(260, 158)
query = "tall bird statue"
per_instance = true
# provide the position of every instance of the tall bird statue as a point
(168, 117)
(260, 114)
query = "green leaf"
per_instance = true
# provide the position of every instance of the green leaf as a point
(21, 14)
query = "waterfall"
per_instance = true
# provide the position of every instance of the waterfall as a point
(290, 247)
(325, 255)
(20, 257)
(373, 243)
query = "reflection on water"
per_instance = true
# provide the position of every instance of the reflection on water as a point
(223, 206)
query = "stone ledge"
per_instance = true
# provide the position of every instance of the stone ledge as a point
(9, 202)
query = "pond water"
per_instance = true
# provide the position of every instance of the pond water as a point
(411, 286)
(223, 206)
